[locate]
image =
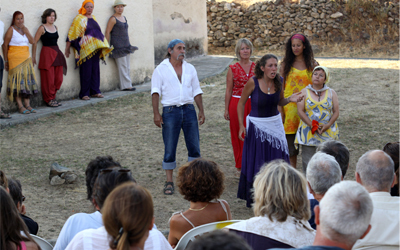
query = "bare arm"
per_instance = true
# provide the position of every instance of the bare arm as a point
(157, 117)
(38, 34)
(174, 229)
(301, 111)
(228, 92)
(280, 109)
(7, 39)
(67, 49)
(296, 97)
(199, 102)
(28, 35)
(110, 26)
(247, 90)
(335, 115)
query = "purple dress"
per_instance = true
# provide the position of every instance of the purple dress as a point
(265, 139)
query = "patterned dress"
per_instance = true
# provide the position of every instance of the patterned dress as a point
(322, 112)
(295, 82)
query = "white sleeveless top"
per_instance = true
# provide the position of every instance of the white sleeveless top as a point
(18, 40)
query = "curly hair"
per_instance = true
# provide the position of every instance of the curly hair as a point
(288, 60)
(260, 74)
(47, 13)
(93, 169)
(200, 181)
(3, 180)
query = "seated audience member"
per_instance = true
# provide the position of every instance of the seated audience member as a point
(219, 240)
(281, 208)
(16, 235)
(201, 182)
(128, 223)
(342, 217)
(323, 172)
(82, 221)
(338, 150)
(393, 149)
(3, 180)
(16, 194)
(375, 171)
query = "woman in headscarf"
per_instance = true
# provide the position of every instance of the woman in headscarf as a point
(21, 82)
(90, 46)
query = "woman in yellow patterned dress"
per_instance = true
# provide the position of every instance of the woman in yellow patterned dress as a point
(318, 112)
(296, 69)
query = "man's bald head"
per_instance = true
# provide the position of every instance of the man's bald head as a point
(376, 171)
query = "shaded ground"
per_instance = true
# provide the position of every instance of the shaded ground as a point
(369, 117)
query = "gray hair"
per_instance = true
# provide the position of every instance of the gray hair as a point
(345, 212)
(239, 44)
(323, 172)
(376, 170)
(338, 150)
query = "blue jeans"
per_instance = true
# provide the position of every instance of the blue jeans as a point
(174, 119)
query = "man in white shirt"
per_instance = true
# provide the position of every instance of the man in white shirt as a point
(375, 171)
(177, 82)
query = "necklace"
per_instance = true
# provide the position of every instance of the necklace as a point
(268, 88)
(198, 209)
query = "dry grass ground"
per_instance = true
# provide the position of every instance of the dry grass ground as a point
(369, 117)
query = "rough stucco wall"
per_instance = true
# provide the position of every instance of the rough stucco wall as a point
(139, 15)
(183, 19)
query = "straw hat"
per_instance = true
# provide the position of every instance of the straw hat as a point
(119, 2)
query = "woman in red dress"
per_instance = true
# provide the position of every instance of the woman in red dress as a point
(238, 75)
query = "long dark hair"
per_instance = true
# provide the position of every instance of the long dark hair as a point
(15, 15)
(260, 74)
(11, 224)
(288, 60)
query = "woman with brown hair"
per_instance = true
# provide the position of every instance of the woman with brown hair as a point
(201, 182)
(15, 234)
(128, 216)
(52, 63)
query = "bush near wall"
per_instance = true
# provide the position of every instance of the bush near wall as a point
(268, 24)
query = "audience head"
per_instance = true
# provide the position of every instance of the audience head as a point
(3, 180)
(375, 171)
(239, 46)
(107, 180)
(393, 150)
(11, 222)
(280, 191)
(16, 191)
(93, 169)
(338, 150)
(344, 213)
(200, 180)
(219, 240)
(323, 172)
(128, 215)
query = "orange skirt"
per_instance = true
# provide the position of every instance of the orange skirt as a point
(21, 75)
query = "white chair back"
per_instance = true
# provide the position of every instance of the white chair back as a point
(44, 244)
(197, 231)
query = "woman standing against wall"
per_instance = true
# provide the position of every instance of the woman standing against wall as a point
(52, 63)
(296, 70)
(21, 82)
(118, 28)
(90, 46)
(2, 114)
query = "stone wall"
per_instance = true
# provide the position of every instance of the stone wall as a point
(269, 24)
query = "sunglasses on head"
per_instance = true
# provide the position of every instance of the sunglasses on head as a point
(120, 170)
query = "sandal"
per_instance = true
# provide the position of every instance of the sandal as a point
(169, 188)
(98, 95)
(52, 104)
(86, 98)
(32, 110)
(58, 103)
(23, 110)
(4, 115)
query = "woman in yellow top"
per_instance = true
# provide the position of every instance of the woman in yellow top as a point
(90, 46)
(318, 112)
(296, 69)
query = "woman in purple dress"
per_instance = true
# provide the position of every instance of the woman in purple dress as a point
(264, 139)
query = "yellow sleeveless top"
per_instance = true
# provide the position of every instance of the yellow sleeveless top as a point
(295, 82)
